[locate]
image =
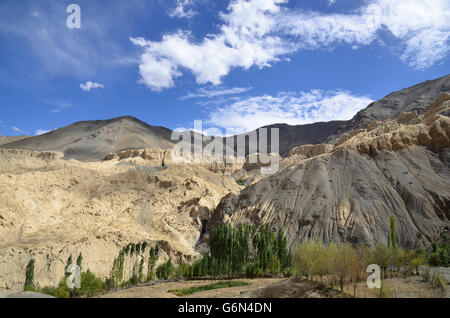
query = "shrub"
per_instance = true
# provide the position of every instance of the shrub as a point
(439, 284)
(384, 291)
(91, 285)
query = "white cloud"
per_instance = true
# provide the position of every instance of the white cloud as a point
(58, 104)
(288, 107)
(210, 93)
(262, 32)
(41, 132)
(331, 2)
(421, 26)
(180, 10)
(18, 130)
(90, 85)
(244, 40)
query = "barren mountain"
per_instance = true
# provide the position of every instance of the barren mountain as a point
(417, 97)
(93, 140)
(8, 139)
(348, 192)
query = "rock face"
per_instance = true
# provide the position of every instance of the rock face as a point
(309, 151)
(350, 193)
(51, 208)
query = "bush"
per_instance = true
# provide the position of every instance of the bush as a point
(91, 285)
(439, 284)
(166, 270)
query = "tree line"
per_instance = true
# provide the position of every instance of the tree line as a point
(249, 251)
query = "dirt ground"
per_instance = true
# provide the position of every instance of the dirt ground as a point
(161, 290)
(410, 287)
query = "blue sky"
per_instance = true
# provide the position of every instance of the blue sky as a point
(236, 64)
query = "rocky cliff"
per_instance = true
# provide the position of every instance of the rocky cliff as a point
(51, 208)
(398, 167)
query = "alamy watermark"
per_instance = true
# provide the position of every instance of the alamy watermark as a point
(74, 278)
(74, 19)
(198, 147)
(374, 279)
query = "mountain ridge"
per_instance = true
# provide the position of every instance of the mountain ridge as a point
(416, 97)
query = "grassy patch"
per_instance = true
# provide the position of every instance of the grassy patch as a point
(196, 289)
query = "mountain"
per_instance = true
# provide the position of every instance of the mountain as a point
(93, 140)
(417, 97)
(348, 192)
(8, 139)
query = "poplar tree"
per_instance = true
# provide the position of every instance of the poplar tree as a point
(29, 275)
(79, 261)
(393, 234)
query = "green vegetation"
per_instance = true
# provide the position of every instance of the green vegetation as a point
(196, 289)
(242, 251)
(249, 251)
(29, 276)
(80, 261)
(440, 252)
(166, 270)
(241, 181)
(345, 264)
(152, 259)
(91, 286)
(68, 263)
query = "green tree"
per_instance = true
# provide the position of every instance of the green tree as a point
(393, 233)
(166, 270)
(80, 261)
(282, 249)
(141, 270)
(91, 285)
(382, 256)
(152, 259)
(29, 276)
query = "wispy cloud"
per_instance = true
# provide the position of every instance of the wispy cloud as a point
(182, 9)
(90, 85)
(331, 2)
(18, 130)
(58, 105)
(41, 132)
(260, 33)
(210, 93)
(294, 108)
(38, 29)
